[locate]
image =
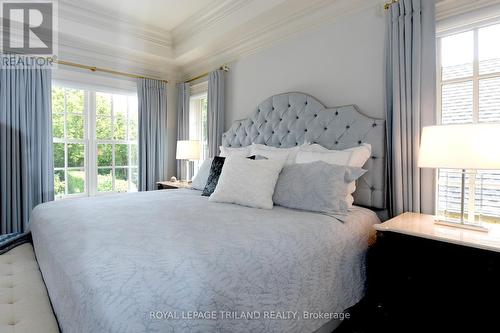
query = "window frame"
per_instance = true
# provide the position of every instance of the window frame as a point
(476, 78)
(196, 98)
(91, 143)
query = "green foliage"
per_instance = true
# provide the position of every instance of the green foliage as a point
(121, 155)
(74, 127)
(120, 128)
(76, 182)
(76, 155)
(59, 183)
(103, 104)
(58, 155)
(74, 101)
(104, 155)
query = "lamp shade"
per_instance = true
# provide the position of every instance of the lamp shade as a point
(188, 150)
(471, 146)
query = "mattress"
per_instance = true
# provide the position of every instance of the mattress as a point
(171, 261)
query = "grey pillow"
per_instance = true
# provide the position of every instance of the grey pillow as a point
(317, 186)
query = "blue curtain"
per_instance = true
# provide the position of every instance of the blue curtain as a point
(152, 98)
(215, 109)
(183, 92)
(410, 98)
(26, 160)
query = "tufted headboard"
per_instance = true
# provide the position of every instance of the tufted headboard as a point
(290, 119)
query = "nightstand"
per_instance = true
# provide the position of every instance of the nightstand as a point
(167, 185)
(428, 277)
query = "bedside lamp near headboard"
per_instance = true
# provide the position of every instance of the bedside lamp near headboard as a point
(468, 148)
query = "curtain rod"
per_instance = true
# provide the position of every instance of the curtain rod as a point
(224, 68)
(104, 70)
(389, 4)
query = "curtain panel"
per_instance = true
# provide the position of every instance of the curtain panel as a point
(152, 98)
(183, 94)
(410, 98)
(216, 110)
(26, 160)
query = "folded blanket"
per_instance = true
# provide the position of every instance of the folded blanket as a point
(10, 241)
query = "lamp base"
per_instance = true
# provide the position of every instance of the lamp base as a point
(461, 225)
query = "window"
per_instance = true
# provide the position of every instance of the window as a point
(469, 92)
(95, 142)
(198, 126)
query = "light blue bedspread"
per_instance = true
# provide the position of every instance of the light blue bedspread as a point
(149, 262)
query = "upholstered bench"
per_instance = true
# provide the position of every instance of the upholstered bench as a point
(24, 302)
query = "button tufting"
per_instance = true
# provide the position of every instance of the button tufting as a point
(348, 127)
(273, 132)
(297, 117)
(372, 188)
(289, 105)
(288, 131)
(336, 142)
(273, 107)
(305, 130)
(336, 113)
(315, 115)
(296, 143)
(359, 142)
(374, 125)
(281, 119)
(325, 128)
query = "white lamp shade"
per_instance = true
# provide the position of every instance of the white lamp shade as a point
(188, 150)
(471, 146)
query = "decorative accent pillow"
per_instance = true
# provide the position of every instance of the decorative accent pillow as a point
(317, 186)
(242, 151)
(213, 177)
(200, 180)
(247, 182)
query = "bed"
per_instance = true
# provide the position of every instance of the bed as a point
(171, 261)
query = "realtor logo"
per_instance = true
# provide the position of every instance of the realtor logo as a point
(28, 27)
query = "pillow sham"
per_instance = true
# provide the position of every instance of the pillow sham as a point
(247, 182)
(200, 180)
(241, 151)
(317, 186)
(214, 174)
(270, 152)
(356, 156)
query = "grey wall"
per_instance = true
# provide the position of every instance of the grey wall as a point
(339, 63)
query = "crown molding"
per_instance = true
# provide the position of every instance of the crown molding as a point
(449, 8)
(245, 42)
(80, 50)
(82, 12)
(206, 18)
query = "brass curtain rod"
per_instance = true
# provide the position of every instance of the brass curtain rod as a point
(389, 4)
(224, 68)
(104, 70)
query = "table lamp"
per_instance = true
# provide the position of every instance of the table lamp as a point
(188, 150)
(463, 147)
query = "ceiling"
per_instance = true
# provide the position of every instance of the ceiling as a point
(178, 39)
(163, 14)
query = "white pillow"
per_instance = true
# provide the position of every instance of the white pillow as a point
(285, 154)
(200, 180)
(242, 151)
(354, 157)
(247, 182)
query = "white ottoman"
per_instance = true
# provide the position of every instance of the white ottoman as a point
(24, 302)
